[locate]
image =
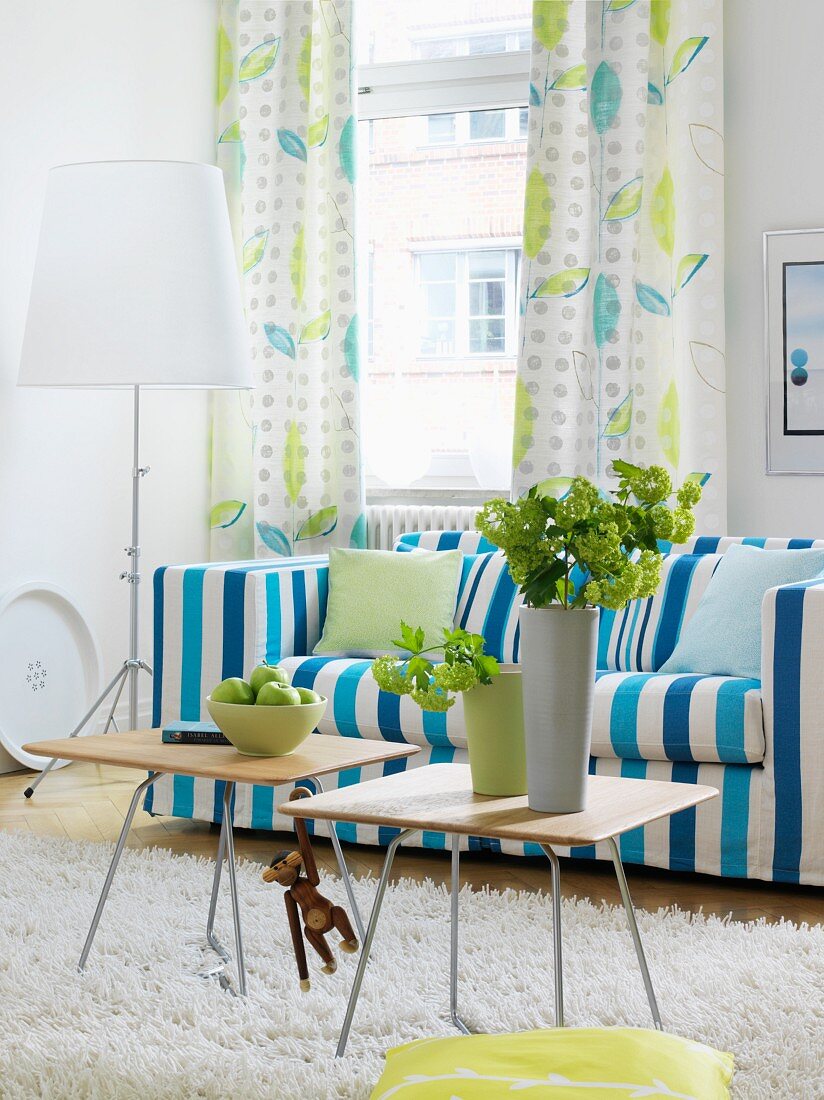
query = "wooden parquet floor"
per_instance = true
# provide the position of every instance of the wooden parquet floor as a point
(88, 802)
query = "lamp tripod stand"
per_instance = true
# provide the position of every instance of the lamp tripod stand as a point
(134, 664)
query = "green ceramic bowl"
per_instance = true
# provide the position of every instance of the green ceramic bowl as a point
(265, 731)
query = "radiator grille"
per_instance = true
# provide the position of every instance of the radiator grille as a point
(384, 522)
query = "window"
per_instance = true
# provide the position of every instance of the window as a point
(440, 193)
(468, 303)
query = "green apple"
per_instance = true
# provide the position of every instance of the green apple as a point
(267, 674)
(276, 695)
(308, 696)
(233, 690)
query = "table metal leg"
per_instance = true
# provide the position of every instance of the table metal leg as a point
(230, 858)
(454, 892)
(557, 949)
(118, 851)
(344, 870)
(211, 938)
(368, 938)
(633, 927)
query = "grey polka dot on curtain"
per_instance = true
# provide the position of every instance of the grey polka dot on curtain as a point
(622, 336)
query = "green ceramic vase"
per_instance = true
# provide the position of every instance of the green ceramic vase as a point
(495, 734)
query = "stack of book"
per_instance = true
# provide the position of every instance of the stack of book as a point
(192, 733)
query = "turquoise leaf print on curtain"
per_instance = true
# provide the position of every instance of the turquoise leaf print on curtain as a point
(288, 146)
(622, 340)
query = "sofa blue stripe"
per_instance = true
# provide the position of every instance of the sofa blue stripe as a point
(449, 540)
(234, 587)
(754, 542)
(183, 796)
(263, 807)
(730, 704)
(586, 851)
(705, 544)
(468, 563)
(642, 633)
(682, 824)
(497, 616)
(631, 636)
(735, 820)
(299, 603)
(434, 727)
(344, 703)
(800, 544)
(348, 830)
(676, 722)
(274, 613)
(192, 644)
(631, 844)
(673, 603)
(623, 716)
(620, 640)
(605, 622)
(389, 717)
(789, 615)
(323, 595)
(157, 660)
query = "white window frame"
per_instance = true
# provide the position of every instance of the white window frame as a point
(434, 87)
(512, 130)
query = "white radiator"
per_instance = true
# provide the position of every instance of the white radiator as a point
(384, 522)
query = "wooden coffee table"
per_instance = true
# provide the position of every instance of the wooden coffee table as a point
(439, 797)
(318, 755)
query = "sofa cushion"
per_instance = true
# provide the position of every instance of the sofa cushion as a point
(357, 707)
(653, 716)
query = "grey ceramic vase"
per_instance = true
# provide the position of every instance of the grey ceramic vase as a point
(558, 653)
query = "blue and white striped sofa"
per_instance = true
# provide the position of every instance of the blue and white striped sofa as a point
(760, 742)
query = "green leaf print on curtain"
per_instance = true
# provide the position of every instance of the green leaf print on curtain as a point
(292, 71)
(621, 349)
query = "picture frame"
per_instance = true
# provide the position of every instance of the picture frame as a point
(794, 350)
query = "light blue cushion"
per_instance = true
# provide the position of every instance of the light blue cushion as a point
(723, 637)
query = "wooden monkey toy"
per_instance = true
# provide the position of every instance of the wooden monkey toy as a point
(319, 914)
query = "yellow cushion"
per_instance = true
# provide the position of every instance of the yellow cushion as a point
(561, 1064)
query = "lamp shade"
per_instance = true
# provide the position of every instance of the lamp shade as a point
(135, 281)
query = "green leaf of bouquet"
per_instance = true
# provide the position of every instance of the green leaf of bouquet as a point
(225, 64)
(292, 144)
(669, 424)
(536, 213)
(688, 266)
(573, 79)
(226, 513)
(259, 61)
(563, 283)
(606, 309)
(253, 250)
(626, 202)
(346, 148)
(620, 419)
(660, 21)
(280, 339)
(663, 212)
(685, 55)
(318, 132)
(320, 523)
(317, 329)
(523, 423)
(351, 348)
(549, 21)
(297, 264)
(604, 97)
(231, 133)
(293, 463)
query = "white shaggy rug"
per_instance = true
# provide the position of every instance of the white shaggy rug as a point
(138, 1025)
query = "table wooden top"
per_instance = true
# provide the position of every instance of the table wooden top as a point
(439, 797)
(318, 755)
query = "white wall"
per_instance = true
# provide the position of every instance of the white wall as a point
(90, 80)
(774, 90)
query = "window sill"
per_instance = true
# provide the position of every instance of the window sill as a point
(423, 496)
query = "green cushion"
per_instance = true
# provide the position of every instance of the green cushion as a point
(618, 1063)
(371, 591)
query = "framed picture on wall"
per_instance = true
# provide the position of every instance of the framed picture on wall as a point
(794, 335)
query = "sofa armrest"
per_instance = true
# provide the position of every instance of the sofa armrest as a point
(217, 620)
(792, 672)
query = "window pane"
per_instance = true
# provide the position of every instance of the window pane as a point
(523, 122)
(438, 338)
(440, 128)
(486, 336)
(435, 28)
(487, 125)
(440, 299)
(486, 264)
(437, 266)
(486, 299)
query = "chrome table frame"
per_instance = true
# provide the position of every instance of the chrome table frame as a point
(555, 873)
(225, 850)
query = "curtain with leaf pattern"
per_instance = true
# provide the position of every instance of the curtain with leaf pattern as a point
(286, 468)
(622, 340)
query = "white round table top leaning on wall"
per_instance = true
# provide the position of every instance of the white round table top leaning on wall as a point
(49, 667)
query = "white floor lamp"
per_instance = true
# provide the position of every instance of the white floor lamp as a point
(135, 285)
